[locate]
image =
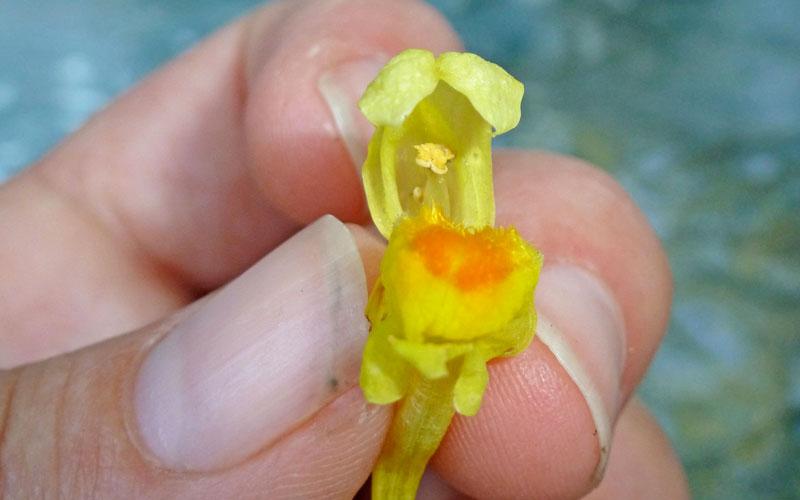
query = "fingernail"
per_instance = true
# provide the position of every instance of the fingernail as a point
(581, 323)
(342, 87)
(260, 357)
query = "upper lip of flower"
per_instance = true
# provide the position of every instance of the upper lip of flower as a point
(435, 117)
(414, 74)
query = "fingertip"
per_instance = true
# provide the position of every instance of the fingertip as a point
(305, 137)
(577, 213)
(532, 438)
(603, 298)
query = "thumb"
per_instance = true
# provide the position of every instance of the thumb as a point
(249, 392)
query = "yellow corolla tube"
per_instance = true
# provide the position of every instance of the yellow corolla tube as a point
(435, 118)
(449, 299)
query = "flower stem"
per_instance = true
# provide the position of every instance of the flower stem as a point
(420, 422)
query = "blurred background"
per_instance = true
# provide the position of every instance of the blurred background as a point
(694, 106)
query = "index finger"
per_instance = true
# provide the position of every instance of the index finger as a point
(161, 196)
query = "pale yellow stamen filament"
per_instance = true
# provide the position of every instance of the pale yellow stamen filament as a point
(433, 156)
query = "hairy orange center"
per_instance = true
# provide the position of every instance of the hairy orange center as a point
(468, 261)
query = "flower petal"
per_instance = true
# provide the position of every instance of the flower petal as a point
(405, 80)
(495, 94)
(391, 175)
(427, 357)
(380, 184)
(471, 384)
(453, 283)
(384, 376)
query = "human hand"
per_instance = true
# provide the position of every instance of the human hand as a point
(251, 391)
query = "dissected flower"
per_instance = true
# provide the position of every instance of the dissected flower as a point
(448, 300)
(434, 119)
(454, 292)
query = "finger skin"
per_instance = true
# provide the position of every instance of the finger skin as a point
(575, 212)
(534, 436)
(163, 170)
(432, 487)
(91, 454)
(68, 428)
(62, 275)
(158, 198)
(87, 216)
(137, 172)
(643, 463)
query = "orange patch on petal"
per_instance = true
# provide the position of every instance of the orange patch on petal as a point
(468, 260)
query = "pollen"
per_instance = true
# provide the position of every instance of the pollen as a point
(417, 193)
(433, 156)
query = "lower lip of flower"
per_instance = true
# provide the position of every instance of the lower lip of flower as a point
(467, 260)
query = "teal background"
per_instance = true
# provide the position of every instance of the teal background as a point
(694, 106)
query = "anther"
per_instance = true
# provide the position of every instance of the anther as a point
(433, 156)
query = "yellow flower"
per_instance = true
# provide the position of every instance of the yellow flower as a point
(449, 299)
(447, 293)
(434, 119)
(454, 292)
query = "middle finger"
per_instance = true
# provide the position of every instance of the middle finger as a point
(603, 302)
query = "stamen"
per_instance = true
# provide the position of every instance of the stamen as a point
(433, 156)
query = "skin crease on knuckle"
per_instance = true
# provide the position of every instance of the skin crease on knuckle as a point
(59, 433)
(8, 384)
(65, 431)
